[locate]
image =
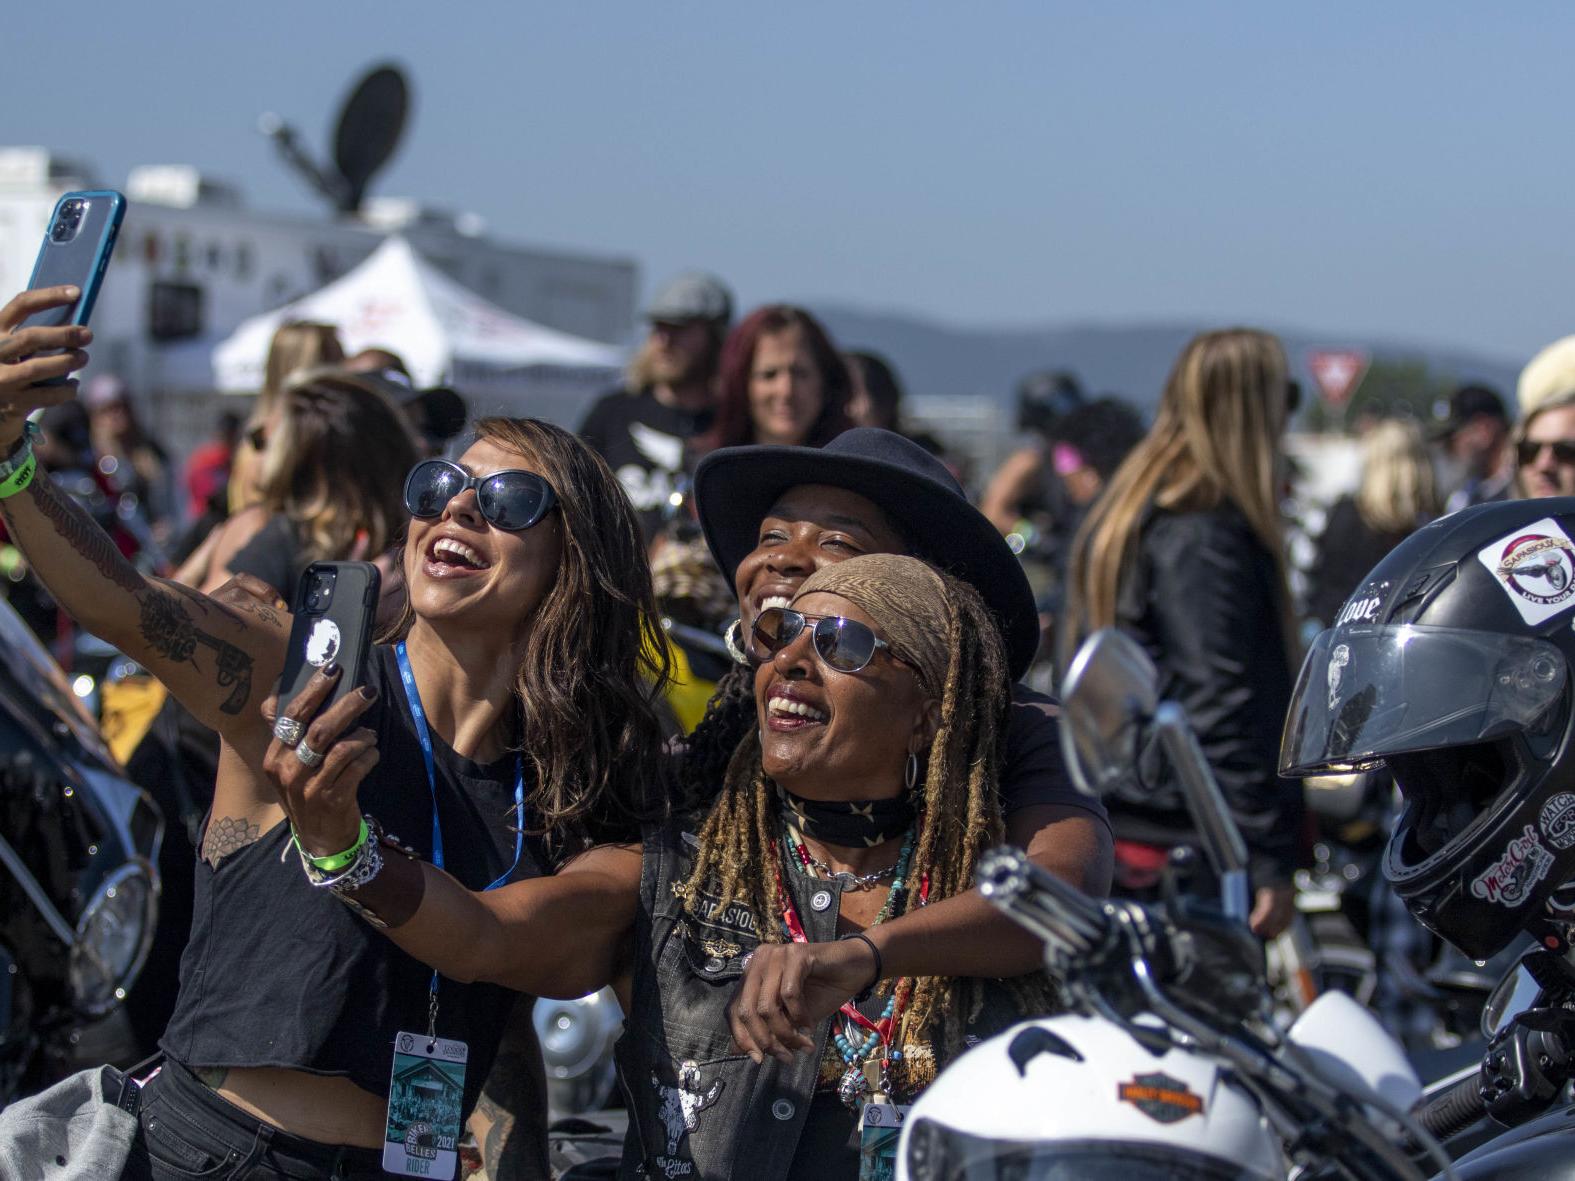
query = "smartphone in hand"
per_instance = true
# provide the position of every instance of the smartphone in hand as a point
(77, 245)
(335, 605)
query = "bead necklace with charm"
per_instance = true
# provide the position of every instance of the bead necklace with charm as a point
(815, 867)
(859, 1041)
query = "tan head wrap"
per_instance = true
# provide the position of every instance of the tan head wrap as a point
(906, 599)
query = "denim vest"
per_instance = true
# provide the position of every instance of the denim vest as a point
(699, 1110)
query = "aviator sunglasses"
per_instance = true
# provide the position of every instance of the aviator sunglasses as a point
(1528, 451)
(845, 645)
(510, 500)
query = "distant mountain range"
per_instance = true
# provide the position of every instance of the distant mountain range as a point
(1131, 360)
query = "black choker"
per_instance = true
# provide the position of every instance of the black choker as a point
(853, 824)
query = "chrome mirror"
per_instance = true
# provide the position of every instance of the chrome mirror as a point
(1109, 694)
(1516, 991)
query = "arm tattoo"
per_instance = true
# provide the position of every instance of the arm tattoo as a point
(514, 1098)
(166, 624)
(226, 835)
(81, 533)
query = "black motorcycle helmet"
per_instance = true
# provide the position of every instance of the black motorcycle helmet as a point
(1451, 664)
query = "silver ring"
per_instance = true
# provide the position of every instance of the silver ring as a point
(307, 755)
(289, 731)
(744, 963)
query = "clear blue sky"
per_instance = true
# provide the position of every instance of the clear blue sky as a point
(1402, 169)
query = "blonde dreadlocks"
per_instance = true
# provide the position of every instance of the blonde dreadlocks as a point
(941, 628)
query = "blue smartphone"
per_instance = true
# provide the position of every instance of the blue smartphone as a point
(76, 250)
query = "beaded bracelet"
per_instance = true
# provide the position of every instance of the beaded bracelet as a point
(336, 861)
(363, 867)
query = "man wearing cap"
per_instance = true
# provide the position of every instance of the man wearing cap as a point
(642, 429)
(1545, 441)
(1472, 436)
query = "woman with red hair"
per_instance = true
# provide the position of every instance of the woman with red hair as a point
(781, 381)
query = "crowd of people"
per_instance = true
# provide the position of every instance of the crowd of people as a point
(716, 702)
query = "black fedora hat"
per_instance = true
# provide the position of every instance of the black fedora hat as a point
(736, 486)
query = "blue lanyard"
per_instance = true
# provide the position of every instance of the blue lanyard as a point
(424, 737)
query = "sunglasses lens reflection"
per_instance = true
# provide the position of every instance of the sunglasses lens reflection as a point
(844, 644)
(513, 500)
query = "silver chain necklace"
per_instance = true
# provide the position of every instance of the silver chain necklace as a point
(845, 879)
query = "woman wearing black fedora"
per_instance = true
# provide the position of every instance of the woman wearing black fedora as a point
(775, 515)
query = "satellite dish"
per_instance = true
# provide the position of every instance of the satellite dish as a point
(369, 129)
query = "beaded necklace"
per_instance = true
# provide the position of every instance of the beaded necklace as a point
(858, 1039)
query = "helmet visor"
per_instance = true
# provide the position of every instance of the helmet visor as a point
(1369, 692)
(950, 1155)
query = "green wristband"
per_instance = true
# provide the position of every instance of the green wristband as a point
(339, 860)
(21, 478)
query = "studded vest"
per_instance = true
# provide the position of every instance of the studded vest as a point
(698, 1109)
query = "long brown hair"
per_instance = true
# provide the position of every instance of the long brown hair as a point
(335, 463)
(959, 818)
(597, 660)
(734, 423)
(1215, 440)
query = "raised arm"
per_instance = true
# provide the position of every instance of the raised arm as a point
(218, 660)
(560, 936)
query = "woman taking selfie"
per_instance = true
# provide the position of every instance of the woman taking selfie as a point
(528, 609)
(868, 791)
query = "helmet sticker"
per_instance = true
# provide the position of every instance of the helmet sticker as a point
(1363, 610)
(1508, 881)
(1160, 1097)
(1558, 820)
(1338, 659)
(1536, 568)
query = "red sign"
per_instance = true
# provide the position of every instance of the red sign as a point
(1338, 372)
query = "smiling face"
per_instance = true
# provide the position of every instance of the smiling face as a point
(786, 390)
(462, 572)
(810, 526)
(828, 735)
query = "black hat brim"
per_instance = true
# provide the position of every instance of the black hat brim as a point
(736, 487)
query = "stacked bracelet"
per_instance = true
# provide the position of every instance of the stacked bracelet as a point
(366, 862)
(339, 860)
(18, 468)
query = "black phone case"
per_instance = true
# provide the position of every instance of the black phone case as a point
(349, 638)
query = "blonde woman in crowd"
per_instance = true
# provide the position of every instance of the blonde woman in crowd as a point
(1185, 552)
(1398, 494)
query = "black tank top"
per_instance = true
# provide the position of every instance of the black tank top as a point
(279, 973)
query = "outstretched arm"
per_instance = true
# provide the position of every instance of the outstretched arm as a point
(559, 936)
(216, 659)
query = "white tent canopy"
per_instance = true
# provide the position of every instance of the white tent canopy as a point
(446, 334)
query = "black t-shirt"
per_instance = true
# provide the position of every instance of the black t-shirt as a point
(1033, 771)
(643, 442)
(280, 973)
(273, 555)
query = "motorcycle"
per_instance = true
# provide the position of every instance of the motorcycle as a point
(1169, 1061)
(78, 885)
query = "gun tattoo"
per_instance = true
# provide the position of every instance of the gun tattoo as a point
(165, 622)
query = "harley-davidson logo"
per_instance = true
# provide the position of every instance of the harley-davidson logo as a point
(1508, 881)
(1160, 1097)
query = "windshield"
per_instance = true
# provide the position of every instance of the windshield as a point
(939, 1153)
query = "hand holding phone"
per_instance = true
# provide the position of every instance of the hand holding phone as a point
(335, 605)
(33, 356)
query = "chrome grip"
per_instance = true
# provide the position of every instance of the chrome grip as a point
(1070, 923)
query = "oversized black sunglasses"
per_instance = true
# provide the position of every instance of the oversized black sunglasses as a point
(1528, 451)
(845, 645)
(511, 499)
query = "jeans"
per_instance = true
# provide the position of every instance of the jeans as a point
(186, 1131)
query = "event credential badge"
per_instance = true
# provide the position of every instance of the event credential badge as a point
(425, 1097)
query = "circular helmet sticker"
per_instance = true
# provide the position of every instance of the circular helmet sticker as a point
(1538, 568)
(323, 644)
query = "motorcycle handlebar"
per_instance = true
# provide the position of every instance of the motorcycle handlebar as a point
(1060, 914)
(1452, 1110)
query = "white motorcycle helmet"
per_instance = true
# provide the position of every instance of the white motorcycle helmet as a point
(1077, 1099)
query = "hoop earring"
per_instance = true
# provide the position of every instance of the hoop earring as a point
(733, 637)
(910, 773)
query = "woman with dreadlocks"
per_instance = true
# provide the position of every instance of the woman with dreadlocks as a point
(867, 791)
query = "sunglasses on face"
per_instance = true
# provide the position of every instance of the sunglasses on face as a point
(510, 500)
(845, 645)
(1528, 451)
(258, 438)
